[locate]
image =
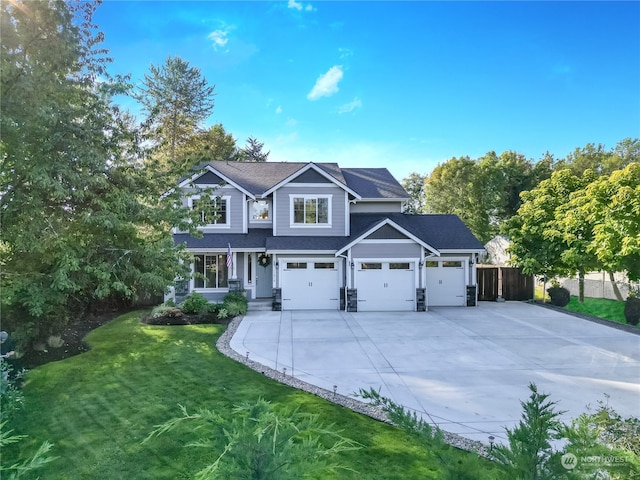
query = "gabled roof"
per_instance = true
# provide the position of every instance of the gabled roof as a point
(330, 171)
(260, 178)
(440, 231)
(374, 183)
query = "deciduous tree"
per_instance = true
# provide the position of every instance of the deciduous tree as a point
(81, 224)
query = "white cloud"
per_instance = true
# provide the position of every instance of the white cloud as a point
(278, 109)
(350, 107)
(327, 83)
(291, 122)
(219, 38)
(300, 6)
(345, 52)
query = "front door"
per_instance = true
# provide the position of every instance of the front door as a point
(264, 280)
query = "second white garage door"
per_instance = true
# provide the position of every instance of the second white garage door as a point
(386, 286)
(310, 285)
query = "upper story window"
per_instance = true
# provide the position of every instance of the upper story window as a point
(311, 210)
(212, 210)
(260, 211)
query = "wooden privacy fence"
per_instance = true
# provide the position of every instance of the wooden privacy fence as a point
(514, 284)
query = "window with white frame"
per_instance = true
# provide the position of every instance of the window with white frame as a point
(210, 271)
(213, 210)
(311, 210)
(260, 211)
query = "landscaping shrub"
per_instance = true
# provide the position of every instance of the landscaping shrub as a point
(235, 304)
(632, 310)
(194, 304)
(560, 296)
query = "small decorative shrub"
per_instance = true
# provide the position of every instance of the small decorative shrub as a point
(194, 304)
(632, 310)
(235, 303)
(223, 314)
(166, 310)
(560, 296)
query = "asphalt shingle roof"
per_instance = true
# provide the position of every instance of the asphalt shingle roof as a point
(440, 231)
(374, 183)
(259, 177)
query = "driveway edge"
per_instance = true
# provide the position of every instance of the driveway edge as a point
(223, 346)
(602, 321)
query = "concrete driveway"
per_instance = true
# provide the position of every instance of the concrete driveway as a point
(465, 369)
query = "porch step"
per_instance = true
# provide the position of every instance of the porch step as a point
(260, 305)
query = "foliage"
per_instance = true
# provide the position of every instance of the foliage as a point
(454, 188)
(485, 192)
(165, 310)
(610, 206)
(632, 310)
(82, 227)
(529, 444)
(263, 442)
(11, 397)
(21, 468)
(537, 243)
(560, 296)
(11, 401)
(235, 304)
(194, 303)
(252, 152)
(414, 186)
(453, 467)
(176, 99)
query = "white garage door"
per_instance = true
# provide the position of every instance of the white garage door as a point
(310, 285)
(386, 286)
(445, 283)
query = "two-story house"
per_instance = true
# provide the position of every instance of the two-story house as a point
(318, 236)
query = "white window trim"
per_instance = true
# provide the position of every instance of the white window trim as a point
(269, 207)
(329, 223)
(214, 226)
(209, 289)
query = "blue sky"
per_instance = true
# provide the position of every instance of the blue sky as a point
(402, 85)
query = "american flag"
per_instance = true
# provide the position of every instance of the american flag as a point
(229, 257)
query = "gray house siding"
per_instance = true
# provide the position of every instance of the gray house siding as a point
(283, 211)
(386, 250)
(376, 207)
(235, 209)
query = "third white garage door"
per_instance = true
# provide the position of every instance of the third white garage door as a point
(310, 285)
(386, 286)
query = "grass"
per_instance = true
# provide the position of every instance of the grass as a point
(599, 307)
(98, 407)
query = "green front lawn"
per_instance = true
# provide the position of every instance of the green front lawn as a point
(98, 407)
(599, 307)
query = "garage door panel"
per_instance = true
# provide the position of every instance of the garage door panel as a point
(445, 284)
(310, 285)
(386, 286)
